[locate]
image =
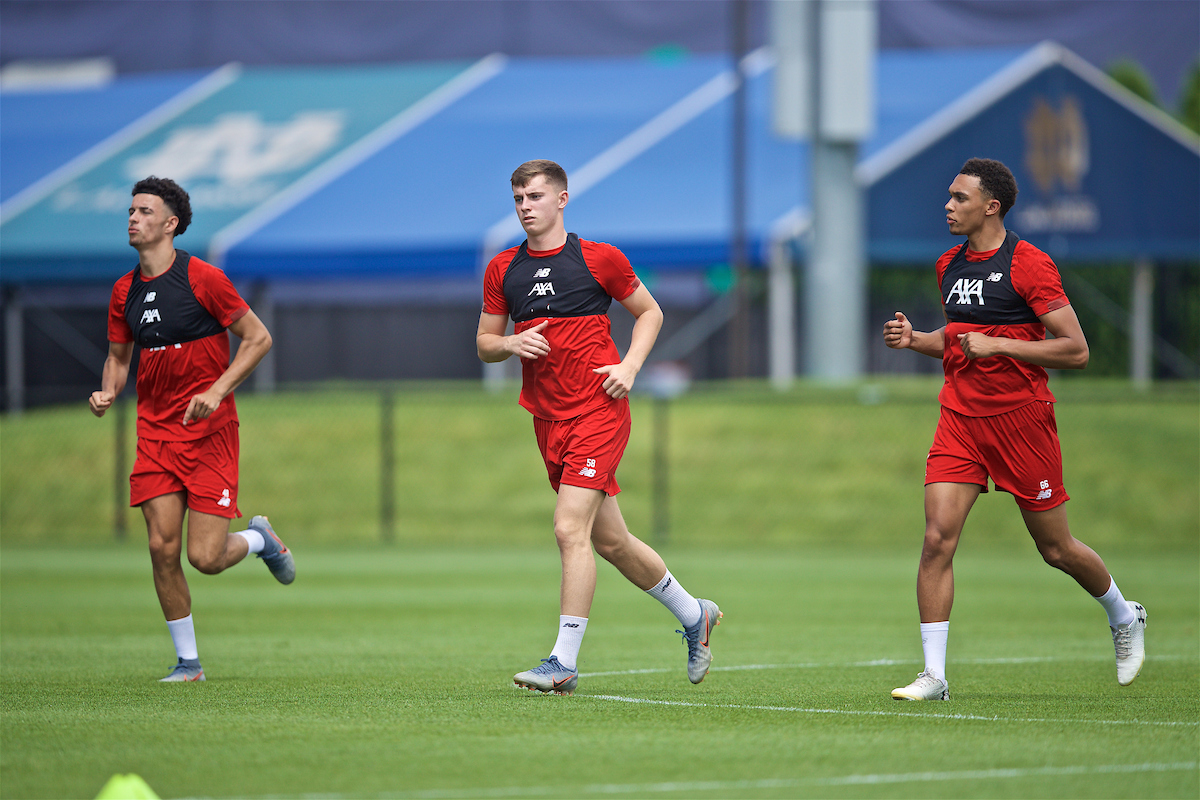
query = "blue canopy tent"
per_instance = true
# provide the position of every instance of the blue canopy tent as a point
(410, 176)
(337, 175)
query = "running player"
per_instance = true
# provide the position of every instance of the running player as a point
(1000, 295)
(558, 288)
(176, 309)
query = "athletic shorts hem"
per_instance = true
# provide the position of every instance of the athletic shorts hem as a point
(1018, 451)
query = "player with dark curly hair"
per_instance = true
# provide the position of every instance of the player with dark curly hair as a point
(177, 201)
(1000, 296)
(177, 309)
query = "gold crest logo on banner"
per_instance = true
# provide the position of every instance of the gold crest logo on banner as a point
(1056, 145)
(1057, 158)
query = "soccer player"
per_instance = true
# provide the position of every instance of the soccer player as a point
(1000, 296)
(177, 308)
(558, 288)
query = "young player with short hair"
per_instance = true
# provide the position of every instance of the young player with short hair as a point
(557, 289)
(176, 309)
(1000, 295)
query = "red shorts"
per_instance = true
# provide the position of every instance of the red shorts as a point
(585, 450)
(1018, 450)
(206, 469)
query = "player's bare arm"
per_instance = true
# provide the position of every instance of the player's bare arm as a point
(256, 341)
(619, 378)
(1067, 350)
(492, 345)
(898, 334)
(112, 380)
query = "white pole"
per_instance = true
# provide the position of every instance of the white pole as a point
(1141, 324)
(781, 288)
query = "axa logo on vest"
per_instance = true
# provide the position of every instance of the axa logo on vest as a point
(542, 289)
(964, 289)
(151, 315)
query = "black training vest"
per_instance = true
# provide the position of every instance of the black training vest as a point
(165, 311)
(560, 285)
(981, 292)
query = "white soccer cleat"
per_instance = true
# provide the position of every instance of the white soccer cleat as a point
(551, 677)
(696, 638)
(925, 687)
(1130, 643)
(187, 670)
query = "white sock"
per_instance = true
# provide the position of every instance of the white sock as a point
(570, 637)
(933, 642)
(1116, 606)
(183, 633)
(253, 538)
(671, 594)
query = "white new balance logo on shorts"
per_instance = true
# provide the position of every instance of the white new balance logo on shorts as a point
(590, 470)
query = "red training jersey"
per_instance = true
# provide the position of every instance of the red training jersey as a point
(572, 287)
(178, 319)
(990, 386)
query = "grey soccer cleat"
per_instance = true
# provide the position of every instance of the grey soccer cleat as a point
(925, 687)
(187, 670)
(550, 677)
(696, 639)
(275, 553)
(1130, 644)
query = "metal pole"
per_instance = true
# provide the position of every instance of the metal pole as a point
(835, 302)
(662, 477)
(120, 473)
(739, 328)
(1141, 324)
(14, 355)
(387, 466)
(264, 307)
(781, 316)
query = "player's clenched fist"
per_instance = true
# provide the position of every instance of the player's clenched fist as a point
(530, 343)
(100, 402)
(897, 333)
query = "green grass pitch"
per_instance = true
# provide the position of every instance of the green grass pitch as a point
(385, 670)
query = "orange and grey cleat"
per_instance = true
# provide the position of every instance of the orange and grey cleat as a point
(551, 677)
(275, 553)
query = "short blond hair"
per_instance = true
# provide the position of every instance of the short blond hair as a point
(555, 175)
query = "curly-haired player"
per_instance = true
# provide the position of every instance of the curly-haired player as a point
(177, 309)
(1000, 296)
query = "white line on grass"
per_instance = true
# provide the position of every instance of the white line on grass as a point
(847, 712)
(879, 662)
(789, 783)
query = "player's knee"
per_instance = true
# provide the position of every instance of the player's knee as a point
(1054, 555)
(939, 543)
(164, 549)
(611, 548)
(569, 533)
(207, 563)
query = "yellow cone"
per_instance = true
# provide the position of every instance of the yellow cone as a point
(126, 787)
